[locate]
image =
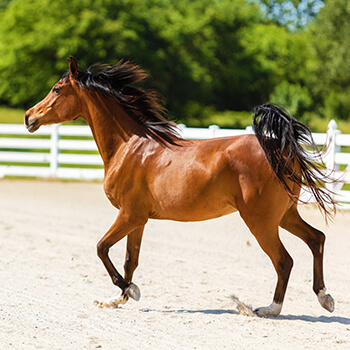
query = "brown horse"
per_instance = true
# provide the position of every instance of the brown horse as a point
(151, 172)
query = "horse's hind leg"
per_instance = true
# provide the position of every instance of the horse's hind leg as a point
(315, 240)
(268, 239)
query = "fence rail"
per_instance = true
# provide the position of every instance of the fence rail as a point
(61, 151)
(64, 151)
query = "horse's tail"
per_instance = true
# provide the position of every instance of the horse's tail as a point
(282, 139)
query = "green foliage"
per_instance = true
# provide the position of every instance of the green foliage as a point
(329, 78)
(315, 72)
(337, 103)
(207, 57)
(4, 4)
(199, 116)
(296, 97)
(37, 36)
(194, 50)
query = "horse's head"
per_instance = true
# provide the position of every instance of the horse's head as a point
(61, 104)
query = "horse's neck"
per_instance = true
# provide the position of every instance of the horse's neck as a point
(110, 125)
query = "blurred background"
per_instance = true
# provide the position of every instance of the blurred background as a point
(212, 60)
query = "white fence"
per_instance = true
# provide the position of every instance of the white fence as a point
(63, 151)
(60, 151)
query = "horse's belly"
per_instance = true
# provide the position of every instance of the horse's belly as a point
(190, 208)
(201, 216)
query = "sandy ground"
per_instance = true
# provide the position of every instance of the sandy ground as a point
(50, 277)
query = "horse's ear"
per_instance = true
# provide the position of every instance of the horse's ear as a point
(73, 66)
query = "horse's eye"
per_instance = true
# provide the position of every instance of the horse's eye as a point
(56, 90)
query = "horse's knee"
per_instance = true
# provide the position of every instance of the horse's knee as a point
(321, 238)
(102, 249)
(314, 238)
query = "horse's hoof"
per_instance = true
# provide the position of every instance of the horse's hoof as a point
(133, 291)
(272, 310)
(326, 301)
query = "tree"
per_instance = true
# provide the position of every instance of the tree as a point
(194, 50)
(4, 4)
(329, 77)
(204, 56)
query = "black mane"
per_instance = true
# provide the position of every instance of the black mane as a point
(144, 106)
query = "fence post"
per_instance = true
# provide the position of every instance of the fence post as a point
(54, 150)
(181, 129)
(213, 130)
(332, 149)
(249, 129)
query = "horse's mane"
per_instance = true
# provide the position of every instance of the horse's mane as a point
(144, 106)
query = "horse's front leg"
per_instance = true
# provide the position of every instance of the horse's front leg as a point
(132, 261)
(130, 265)
(121, 228)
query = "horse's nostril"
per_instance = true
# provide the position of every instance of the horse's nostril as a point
(26, 117)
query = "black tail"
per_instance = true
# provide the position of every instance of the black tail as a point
(282, 139)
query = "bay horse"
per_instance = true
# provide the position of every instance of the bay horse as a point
(152, 172)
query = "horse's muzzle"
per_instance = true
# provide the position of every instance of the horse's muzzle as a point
(31, 121)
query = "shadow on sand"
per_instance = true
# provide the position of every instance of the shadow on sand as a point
(205, 312)
(305, 318)
(322, 319)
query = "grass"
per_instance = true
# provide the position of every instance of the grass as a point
(11, 116)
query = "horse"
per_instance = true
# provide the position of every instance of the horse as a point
(151, 172)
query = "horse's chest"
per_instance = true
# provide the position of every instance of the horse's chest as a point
(113, 198)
